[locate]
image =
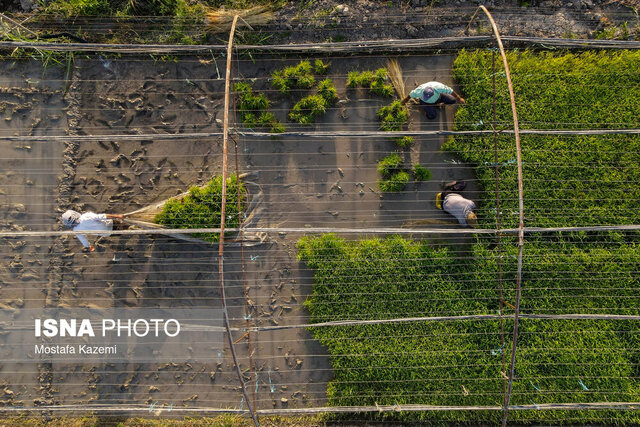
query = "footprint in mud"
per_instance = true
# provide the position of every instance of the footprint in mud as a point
(134, 96)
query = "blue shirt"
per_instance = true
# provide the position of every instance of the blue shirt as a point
(438, 88)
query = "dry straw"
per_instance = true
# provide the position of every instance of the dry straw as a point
(395, 74)
(219, 21)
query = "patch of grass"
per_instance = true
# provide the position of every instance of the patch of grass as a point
(186, 26)
(404, 142)
(393, 116)
(225, 420)
(201, 208)
(71, 8)
(421, 173)
(253, 109)
(327, 91)
(305, 110)
(339, 38)
(298, 76)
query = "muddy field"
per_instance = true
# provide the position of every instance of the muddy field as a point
(292, 182)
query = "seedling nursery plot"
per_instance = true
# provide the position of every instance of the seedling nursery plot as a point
(444, 342)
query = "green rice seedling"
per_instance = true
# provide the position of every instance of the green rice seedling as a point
(366, 78)
(279, 82)
(249, 119)
(382, 89)
(304, 67)
(201, 208)
(394, 183)
(604, 195)
(320, 67)
(389, 165)
(393, 116)
(381, 75)
(404, 142)
(352, 79)
(379, 85)
(252, 108)
(250, 102)
(305, 110)
(268, 119)
(374, 81)
(421, 173)
(400, 276)
(299, 76)
(327, 91)
(305, 81)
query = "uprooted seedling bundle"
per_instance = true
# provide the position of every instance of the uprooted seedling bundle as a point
(202, 206)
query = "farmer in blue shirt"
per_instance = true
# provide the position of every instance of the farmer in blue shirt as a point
(430, 94)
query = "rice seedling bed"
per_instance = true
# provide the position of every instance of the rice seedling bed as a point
(569, 181)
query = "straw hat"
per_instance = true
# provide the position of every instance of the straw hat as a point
(472, 220)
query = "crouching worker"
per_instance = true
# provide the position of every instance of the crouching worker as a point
(431, 94)
(88, 221)
(452, 202)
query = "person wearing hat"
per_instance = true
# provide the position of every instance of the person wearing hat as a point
(88, 221)
(430, 94)
(455, 204)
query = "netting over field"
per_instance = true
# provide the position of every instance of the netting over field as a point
(358, 298)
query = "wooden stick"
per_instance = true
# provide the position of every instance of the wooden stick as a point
(225, 140)
(520, 211)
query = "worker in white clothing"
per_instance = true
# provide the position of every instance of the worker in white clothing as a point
(455, 204)
(88, 221)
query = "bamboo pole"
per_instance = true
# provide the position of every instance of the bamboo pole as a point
(225, 140)
(520, 212)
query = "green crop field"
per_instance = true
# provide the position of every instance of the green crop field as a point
(568, 181)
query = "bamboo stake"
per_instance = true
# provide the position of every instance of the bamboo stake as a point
(225, 140)
(520, 212)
